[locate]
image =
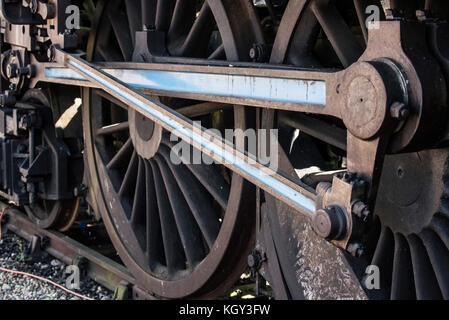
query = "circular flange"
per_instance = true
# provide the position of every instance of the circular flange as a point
(410, 190)
(365, 103)
(330, 223)
(145, 134)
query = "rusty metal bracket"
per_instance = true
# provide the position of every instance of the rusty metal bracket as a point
(122, 291)
(36, 247)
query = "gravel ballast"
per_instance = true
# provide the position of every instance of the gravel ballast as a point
(20, 287)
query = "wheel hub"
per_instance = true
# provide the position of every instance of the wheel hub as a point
(145, 134)
(410, 191)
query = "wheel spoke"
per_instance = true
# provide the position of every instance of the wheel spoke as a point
(174, 252)
(218, 54)
(440, 226)
(109, 53)
(149, 8)
(383, 258)
(155, 246)
(360, 6)
(120, 26)
(130, 176)
(303, 41)
(134, 12)
(339, 34)
(444, 208)
(402, 287)
(113, 128)
(210, 178)
(195, 195)
(425, 282)
(164, 14)
(286, 28)
(187, 228)
(139, 196)
(113, 100)
(182, 21)
(138, 217)
(122, 156)
(439, 257)
(194, 45)
(202, 109)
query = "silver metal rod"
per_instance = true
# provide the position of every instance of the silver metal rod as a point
(321, 130)
(272, 89)
(282, 188)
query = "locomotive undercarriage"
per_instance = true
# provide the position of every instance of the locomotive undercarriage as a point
(372, 99)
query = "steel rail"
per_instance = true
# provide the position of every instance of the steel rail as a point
(293, 193)
(99, 268)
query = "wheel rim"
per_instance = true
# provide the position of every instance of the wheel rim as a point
(44, 213)
(173, 246)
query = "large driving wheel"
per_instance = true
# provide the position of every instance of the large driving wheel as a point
(183, 230)
(409, 240)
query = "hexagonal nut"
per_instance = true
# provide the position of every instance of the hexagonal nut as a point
(399, 111)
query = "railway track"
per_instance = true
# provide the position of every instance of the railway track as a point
(107, 272)
(93, 262)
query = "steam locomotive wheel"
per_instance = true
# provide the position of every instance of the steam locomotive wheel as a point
(58, 215)
(410, 242)
(413, 247)
(311, 34)
(183, 230)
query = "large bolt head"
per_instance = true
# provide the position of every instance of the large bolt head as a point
(330, 223)
(365, 97)
(254, 260)
(253, 53)
(322, 223)
(11, 71)
(361, 210)
(51, 53)
(399, 111)
(356, 249)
